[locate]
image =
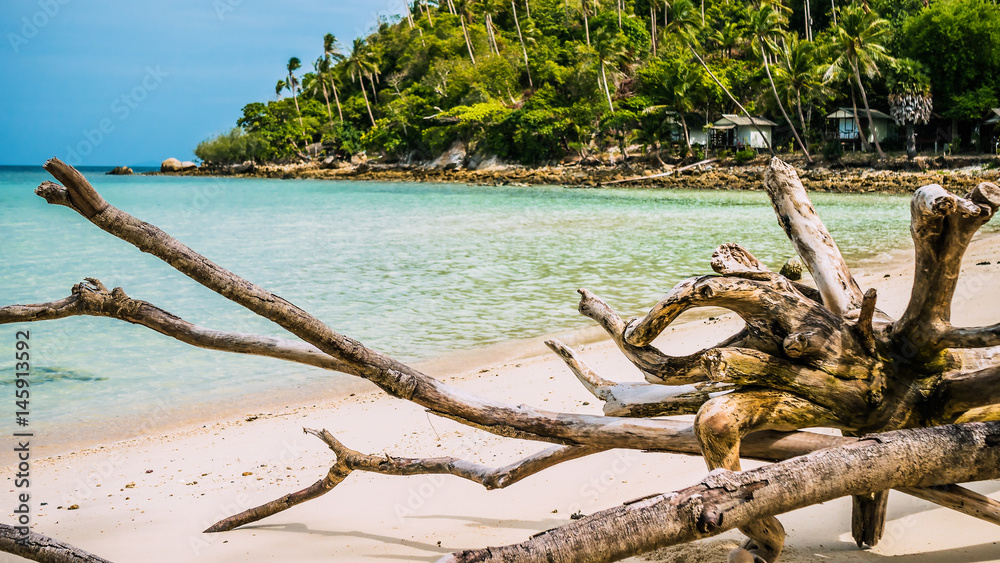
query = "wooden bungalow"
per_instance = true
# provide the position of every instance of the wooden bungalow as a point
(736, 131)
(846, 129)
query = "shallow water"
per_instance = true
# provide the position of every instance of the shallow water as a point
(414, 270)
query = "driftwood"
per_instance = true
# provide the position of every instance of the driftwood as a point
(37, 547)
(807, 357)
(725, 500)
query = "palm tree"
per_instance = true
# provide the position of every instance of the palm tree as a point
(609, 51)
(653, 5)
(798, 74)
(332, 52)
(679, 82)
(586, 21)
(489, 8)
(681, 24)
(764, 24)
(524, 49)
(463, 7)
(729, 36)
(318, 84)
(294, 64)
(359, 66)
(859, 37)
(427, 9)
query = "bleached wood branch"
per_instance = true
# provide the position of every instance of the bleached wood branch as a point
(813, 242)
(724, 500)
(638, 399)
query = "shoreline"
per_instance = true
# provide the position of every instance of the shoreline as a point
(853, 174)
(149, 497)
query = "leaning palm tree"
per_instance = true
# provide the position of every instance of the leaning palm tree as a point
(860, 38)
(524, 49)
(490, 7)
(294, 64)
(798, 73)
(359, 66)
(318, 84)
(331, 53)
(609, 51)
(464, 10)
(585, 11)
(764, 24)
(681, 25)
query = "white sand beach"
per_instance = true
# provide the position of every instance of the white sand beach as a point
(148, 499)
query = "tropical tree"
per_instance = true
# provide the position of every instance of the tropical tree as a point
(490, 7)
(729, 36)
(520, 36)
(676, 86)
(958, 44)
(681, 25)
(317, 84)
(764, 24)
(331, 53)
(292, 83)
(584, 7)
(859, 37)
(609, 51)
(799, 74)
(464, 9)
(910, 101)
(359, 65)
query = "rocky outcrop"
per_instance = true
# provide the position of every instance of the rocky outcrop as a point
(452, 159)
(170, 165)
(174, 165)
(120, 171)
(484, 162)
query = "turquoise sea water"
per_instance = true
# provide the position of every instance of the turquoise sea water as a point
(414, 270)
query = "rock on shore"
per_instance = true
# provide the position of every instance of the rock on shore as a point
(174, 165)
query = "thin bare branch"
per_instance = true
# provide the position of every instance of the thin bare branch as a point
(91, 298)
(348, 460)
(638, 399)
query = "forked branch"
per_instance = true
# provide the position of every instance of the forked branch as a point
(942, 225)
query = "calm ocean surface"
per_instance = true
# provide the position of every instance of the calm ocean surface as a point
(414, 270)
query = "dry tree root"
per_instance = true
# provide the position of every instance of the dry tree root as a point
(823, 356)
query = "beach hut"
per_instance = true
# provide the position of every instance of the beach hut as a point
(738, 131)
(848, 131)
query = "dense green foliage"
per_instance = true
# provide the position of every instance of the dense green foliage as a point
(535, 80)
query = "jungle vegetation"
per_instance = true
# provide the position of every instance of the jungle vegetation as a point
(532, 81)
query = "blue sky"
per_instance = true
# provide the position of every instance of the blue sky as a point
(132, 83)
